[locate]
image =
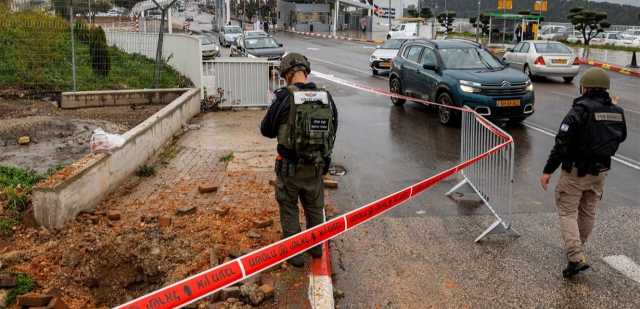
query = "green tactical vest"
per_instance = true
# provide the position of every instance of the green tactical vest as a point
(309, 130)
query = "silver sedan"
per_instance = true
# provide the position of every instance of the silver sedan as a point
(544, 58)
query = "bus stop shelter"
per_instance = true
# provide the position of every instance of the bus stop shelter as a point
(527, 23)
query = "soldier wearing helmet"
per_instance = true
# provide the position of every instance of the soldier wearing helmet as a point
(304, 119)
(589, 136)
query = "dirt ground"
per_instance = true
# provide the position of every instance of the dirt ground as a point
(58, 136)
(157, 230)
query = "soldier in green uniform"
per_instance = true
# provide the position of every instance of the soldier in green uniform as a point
(304, 119)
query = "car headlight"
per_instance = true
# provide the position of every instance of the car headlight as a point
(471, 87)
(530, 86)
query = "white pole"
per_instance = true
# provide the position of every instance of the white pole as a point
(335, 17)
(169, 20)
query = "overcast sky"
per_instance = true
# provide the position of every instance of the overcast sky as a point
(629, 2)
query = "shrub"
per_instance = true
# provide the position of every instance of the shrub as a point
(145, 171)
(99, 51)
(24, 285)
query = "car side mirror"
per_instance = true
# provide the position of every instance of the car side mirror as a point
(510, 50)
(428, 66)
(280, 44)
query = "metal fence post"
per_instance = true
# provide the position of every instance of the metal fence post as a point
(73, 48)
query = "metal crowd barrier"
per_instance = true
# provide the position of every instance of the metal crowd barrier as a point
(491, 178)
(245, 82)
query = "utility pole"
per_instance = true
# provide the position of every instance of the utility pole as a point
(389, 14)
(478, 23)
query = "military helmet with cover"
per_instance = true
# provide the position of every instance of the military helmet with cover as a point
(294, 61)
(595, 78)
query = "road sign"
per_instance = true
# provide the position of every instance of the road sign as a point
(505, 4)
(541, 6)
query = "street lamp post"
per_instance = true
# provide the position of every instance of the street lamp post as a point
(389, 14)
(478, 22)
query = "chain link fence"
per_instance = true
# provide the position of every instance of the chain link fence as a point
(62, 45)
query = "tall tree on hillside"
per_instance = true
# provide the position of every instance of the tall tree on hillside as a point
(590, 23)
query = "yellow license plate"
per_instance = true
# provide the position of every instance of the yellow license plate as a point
(384, 64)
(559, 61)
(508, 103)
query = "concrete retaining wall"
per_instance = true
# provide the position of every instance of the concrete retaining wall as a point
(84, 99)
(95, 176)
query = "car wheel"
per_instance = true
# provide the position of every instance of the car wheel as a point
(568, 79)
(448, 116)
(374, 72)
(527, 71)
(396, 87)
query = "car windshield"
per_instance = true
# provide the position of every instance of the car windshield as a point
(552, 48)
(392, 44)
(255, 43)
(469, 59)
(205, 40)
(233, 29)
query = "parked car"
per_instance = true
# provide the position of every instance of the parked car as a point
(255, 34)
(553, 32)
(229, 35)
(460, 73)
(189, 18)
(403, 31)
(544, 58)
(208, 47)
(575, 38)
(258, 47)
(632, 34)
(382, 55)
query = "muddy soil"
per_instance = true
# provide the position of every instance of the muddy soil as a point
(57, 136)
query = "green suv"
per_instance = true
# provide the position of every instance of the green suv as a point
(460, 73)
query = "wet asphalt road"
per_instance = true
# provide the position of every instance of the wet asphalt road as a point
(422, 255)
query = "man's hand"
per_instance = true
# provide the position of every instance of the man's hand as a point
(544, 181)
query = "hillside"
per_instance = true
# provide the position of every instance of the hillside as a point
(558, 9)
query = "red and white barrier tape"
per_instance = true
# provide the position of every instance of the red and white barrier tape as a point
(215, 279)
(611, 67)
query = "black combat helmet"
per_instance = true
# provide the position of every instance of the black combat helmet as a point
(294, 61)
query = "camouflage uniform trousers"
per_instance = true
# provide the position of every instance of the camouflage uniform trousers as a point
(577, 200)
(303, 182)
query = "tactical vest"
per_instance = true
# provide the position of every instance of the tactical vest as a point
(603, 130)
(309, 131)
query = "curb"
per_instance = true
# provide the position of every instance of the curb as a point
(320, 283)
(611, 67)
(335, 37)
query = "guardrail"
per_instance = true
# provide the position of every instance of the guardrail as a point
(245, 82)
(488, 147)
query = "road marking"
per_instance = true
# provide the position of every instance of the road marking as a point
(369, 47)
(624, 265)
(618, 158)
(348, 68)
(313, 48)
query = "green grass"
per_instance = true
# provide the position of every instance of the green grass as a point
(36, 55)
(6, 226)
(11, 176)
(227, 158)
(169, 153)
(24, 285)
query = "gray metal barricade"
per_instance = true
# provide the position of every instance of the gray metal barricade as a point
(244, 82)
(491, 178)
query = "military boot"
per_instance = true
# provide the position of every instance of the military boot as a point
(573, 268)
(316, 252)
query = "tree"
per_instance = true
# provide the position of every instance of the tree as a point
(481, 23)
(412, 11)
(446, 20)
(426, 13)
(99, 52)
(589, 23)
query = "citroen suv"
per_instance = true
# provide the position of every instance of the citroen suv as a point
(461, 73)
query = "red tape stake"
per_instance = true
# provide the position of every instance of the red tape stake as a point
(188, 290)
(278, 252)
